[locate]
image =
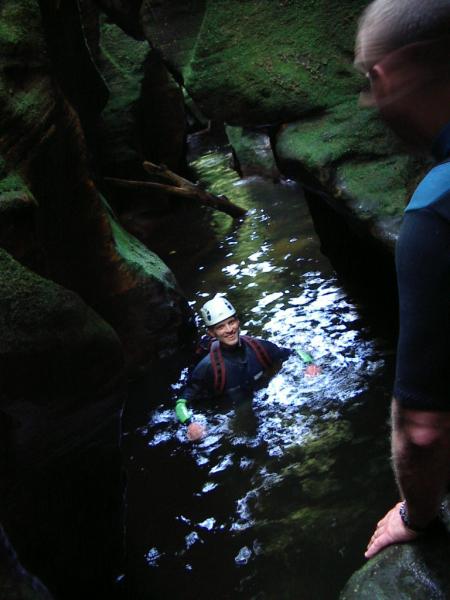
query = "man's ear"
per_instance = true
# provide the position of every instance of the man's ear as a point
(380, 85)
(377, 76)
(210, 331)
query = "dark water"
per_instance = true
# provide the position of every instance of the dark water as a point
(279, 499)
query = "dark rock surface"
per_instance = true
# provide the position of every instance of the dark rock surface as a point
(15, 582)
(61, 396)
(43, 142)
(289, 64)
(404, 572)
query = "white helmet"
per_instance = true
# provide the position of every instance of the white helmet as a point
(216, 310)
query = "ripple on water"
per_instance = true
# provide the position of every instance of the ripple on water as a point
(271, 267)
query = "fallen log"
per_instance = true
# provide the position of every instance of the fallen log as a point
(180, 186)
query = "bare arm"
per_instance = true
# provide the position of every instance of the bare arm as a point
(421, 458)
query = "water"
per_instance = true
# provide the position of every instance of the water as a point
(279, 499)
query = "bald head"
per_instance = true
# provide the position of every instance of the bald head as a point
(387, 25)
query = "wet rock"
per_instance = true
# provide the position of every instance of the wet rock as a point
(18, 210)
(314, 523)
(15, 582)
(297, 73)
(330, 152)
(61, 396)
(253, 152)
(258, 62)
(404, 572)
(71, 36)
(144, 118)
(122, 63)
(126, 13)
(43, 141)
(172, 26)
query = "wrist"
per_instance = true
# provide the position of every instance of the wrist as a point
(183, 414)
(305, 357)
(409, 523)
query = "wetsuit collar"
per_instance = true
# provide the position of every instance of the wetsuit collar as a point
(237, 348)
(441, 144)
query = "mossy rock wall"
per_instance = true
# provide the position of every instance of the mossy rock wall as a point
(287, 65)
(404, 572)
(61, 396)
(43, 142)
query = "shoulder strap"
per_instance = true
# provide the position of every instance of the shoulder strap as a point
(261, 353)
(218, 366)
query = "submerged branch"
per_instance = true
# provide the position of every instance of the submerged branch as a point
(180, 187)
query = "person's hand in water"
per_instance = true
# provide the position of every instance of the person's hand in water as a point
(195, 431)
(312, 370)
(390, 530)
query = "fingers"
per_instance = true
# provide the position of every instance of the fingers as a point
(312, 370)
(195, 432)
(390, 530)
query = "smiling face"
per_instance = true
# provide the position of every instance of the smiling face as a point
(227, 331)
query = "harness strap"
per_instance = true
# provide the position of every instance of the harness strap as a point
(261, 353)
(218, 366)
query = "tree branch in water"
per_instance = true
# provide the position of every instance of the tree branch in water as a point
(179, 186)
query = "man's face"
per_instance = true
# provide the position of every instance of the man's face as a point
(227, 331)
(397, 88)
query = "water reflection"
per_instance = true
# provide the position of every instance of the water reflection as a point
(270, 492)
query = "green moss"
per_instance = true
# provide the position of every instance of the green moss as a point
(22, 53)
(350, 151)
(253, 150)
(138, 257)
(21, 25)
(123, 55)
(340, 132)
(122, 67)
(404, 572)
(13, 182)
(361, 183)
(271, 58)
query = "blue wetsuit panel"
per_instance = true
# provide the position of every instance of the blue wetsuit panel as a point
(422, 379)
(433, 187)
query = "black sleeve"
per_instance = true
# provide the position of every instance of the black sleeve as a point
(199, 384)
(276, 353)
(422, 379)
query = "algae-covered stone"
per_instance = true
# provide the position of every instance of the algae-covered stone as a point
(264, 61)
(17, 218)
(404, 572)
(51, 342)
(144, 117)
(304, 518)
(15, 582)
(356, 160)
(22, 106)
(253, 152)
(62, 390)
(122, 65)
(173, 28)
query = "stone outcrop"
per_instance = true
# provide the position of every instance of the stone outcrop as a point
(144, 118)
(84, 305)
(43, 142)
(15, 582)
(61, 396)
(287, 65)
(404, 572)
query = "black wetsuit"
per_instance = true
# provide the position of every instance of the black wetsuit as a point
(244, 372)
(423, 271)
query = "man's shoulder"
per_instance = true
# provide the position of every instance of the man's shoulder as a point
(272, 349)
(435, 186)
(202, 366)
